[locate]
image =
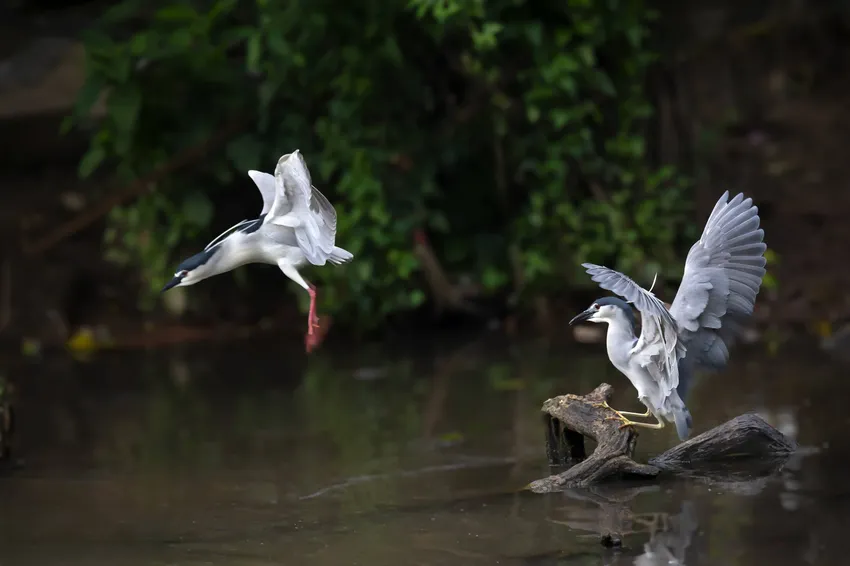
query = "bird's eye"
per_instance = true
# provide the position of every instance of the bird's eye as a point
(181, 274)
(594, 306)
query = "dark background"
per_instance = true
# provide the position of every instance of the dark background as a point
(745, 96)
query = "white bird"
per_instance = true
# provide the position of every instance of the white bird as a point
(723, 275)
(296, 226)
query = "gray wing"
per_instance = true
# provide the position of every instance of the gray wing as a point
(265, 183)
(723, 275)
(300, 206)
(658, 349)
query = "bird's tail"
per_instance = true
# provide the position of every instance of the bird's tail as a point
(339, 256)
(684, 423)
(681, 415)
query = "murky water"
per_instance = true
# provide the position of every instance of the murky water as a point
(235, 455)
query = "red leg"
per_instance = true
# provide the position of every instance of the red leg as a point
(312, 319)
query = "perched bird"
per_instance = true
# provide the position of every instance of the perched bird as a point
(297, 225)
(723, 275)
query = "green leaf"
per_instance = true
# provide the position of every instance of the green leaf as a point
(181, 39)
(119, 12)
(254, 51)
(277, 43)
(417, 297)
(176, 13)
(88, 95)
(124, 105)
(66, 125)
(91, 160)
(586, 54)
(222, 7)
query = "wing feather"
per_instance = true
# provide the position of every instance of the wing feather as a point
(218, 239)
(300, 205)
(265, 183)
(723, 275)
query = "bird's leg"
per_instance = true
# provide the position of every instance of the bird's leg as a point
(622, 414)
(648, 413)
(626, 422)
(312, 319)
(605, 405)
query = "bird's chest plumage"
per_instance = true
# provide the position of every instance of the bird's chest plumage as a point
(274, 249)
(619, 344)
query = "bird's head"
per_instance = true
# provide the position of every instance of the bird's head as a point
(606, 309)
(192, 270)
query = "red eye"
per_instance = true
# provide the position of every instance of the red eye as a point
(595, 306)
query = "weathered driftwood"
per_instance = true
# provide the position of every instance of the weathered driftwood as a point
(745, 445)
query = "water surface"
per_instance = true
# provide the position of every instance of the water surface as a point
(243, 454)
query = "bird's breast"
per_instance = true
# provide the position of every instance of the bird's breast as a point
(271, 251)
(619, 345)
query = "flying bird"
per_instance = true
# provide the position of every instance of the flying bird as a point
(723, 274)
(296, 227)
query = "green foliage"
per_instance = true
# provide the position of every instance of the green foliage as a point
(773, 260)
(512, 131)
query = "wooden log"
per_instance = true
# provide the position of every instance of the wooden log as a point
(744, 446)
(570, 419)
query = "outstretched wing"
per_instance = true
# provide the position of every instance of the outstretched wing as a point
(300, 206)
(265, 183)
(658, 349)
(723, 275)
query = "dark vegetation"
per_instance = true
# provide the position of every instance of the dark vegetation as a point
(477, 152)
(512, 133)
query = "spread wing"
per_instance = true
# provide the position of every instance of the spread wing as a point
(300, 206)
(658, 349)
(265, 183)
(723, 275)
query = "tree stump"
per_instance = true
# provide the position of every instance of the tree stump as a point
(745, 446)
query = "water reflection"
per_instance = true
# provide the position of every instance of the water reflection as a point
(253, 455)
(667, 546)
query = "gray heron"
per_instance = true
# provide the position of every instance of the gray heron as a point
(722, 277)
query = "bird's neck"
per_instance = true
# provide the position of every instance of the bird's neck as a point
(619, 341)
(234, 253)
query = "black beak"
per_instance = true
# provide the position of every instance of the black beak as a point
(173, 283)
(582, 316)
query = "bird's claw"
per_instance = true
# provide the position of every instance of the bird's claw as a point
(313, 323)
(626, 422)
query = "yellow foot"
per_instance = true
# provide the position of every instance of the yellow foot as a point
(626, 422)
(605, 405)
